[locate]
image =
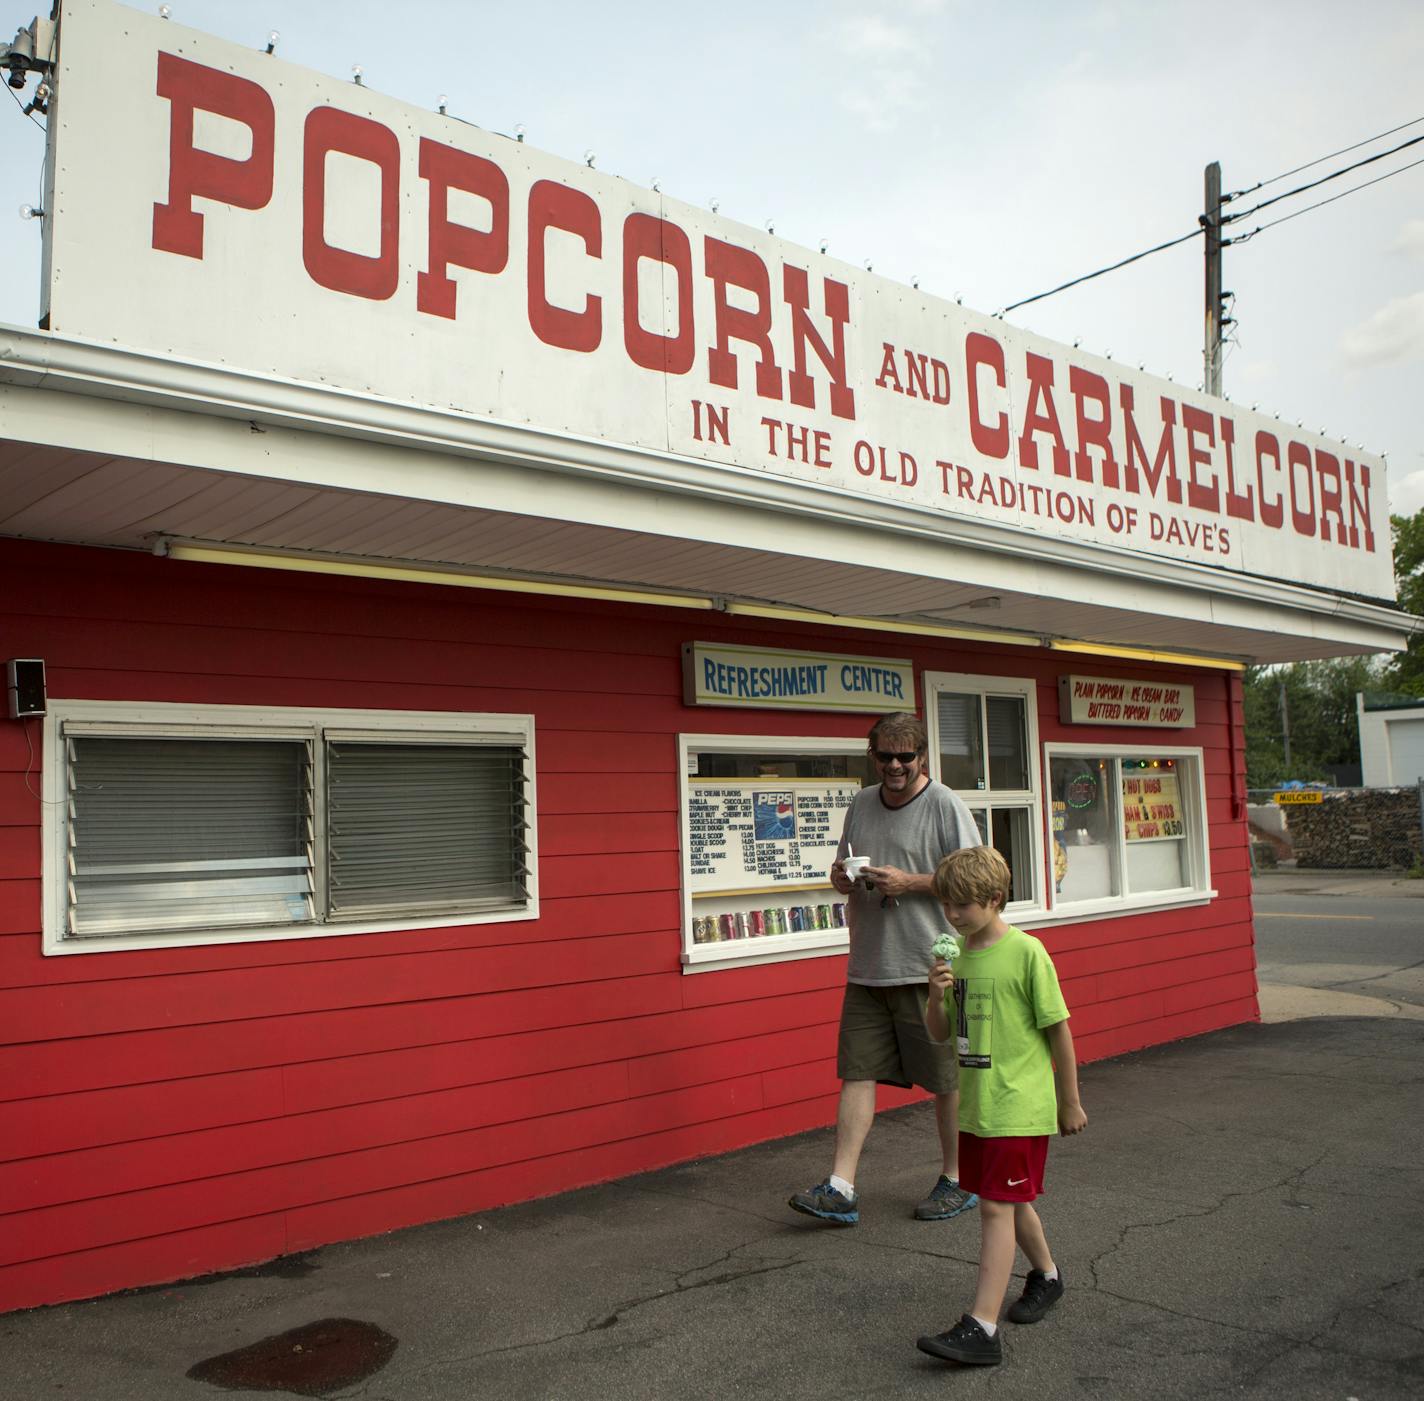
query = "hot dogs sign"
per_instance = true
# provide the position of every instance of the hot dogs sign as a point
(1152, 803)
(269, 218)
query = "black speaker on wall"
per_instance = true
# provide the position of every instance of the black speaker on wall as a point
(25, 687)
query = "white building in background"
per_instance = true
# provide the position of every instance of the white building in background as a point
(1391, 741)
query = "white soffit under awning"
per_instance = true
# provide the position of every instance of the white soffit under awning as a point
(111, 447)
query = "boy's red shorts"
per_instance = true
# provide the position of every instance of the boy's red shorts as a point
(1002, 1169)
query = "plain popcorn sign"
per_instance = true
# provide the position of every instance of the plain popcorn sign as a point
(1101, 700)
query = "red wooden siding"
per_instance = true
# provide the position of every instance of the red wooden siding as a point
(166, 1112)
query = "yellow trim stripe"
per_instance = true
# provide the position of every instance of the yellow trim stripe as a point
(256, 558)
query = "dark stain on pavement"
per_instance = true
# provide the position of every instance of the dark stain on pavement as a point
(313, 1360)
(283, 1267)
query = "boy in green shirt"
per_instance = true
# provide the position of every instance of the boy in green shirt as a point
(1018, 1082)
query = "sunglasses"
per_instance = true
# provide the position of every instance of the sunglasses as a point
(884, 756)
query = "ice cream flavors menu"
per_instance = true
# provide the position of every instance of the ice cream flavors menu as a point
(755, 834)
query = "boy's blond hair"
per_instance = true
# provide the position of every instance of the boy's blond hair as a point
(976, 875)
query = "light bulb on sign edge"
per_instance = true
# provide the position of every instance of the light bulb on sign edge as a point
(519, 130)
(272, 40)
(356, 75)
(30, 211)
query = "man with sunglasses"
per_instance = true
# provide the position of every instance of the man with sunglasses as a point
(905, 824)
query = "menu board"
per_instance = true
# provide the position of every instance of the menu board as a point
(762, 833)
(1152, 805)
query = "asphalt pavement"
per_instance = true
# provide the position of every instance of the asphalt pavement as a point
(1241, 1218)
(1338, 884)
(1338, 944)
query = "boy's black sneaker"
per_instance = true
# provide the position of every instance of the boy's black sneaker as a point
(1039, 1295)
(825, 1202)
(966, 1342)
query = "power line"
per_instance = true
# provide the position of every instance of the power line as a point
(1285, 218)
(1324, 179)
(1344, 150)
(1088, 277)
(21, 106)
(1246, 213)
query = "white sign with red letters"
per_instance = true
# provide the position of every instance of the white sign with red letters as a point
(213, 203)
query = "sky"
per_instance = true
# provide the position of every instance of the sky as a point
(993, 151)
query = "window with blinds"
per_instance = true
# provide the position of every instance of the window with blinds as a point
(961, 739)
(983, 735)
(306, 826)
(424, 828)
(188, 833)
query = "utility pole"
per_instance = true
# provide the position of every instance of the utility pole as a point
(1285, 729)
(1211, 222)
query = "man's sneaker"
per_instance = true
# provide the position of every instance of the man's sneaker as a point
(1040, 1294)
(830, 1205)
(965, 1342)
(946, 1200)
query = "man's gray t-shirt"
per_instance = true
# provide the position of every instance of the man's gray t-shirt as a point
(890, 944)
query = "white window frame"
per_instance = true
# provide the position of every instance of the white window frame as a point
(1199, 890)
(779, 948)
(1026, 689)
(170, 721)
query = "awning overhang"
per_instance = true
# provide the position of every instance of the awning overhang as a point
(113, 447)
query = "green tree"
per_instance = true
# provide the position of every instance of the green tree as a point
(1317, 701)
(1405, 671)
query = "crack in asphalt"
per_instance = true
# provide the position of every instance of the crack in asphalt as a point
(1286, 1341)
(1292, 1179)
(1375, 977)
(681, 1285)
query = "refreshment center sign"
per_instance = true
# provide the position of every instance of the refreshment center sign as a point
(768, 678)
(214, 203)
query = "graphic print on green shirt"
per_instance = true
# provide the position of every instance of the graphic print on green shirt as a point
(974, 1003)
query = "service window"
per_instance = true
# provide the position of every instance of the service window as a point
(170, 825)
(984, 744)
(761, 821)
(1127, 825)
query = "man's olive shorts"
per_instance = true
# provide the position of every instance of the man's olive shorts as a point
(883, 1038)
